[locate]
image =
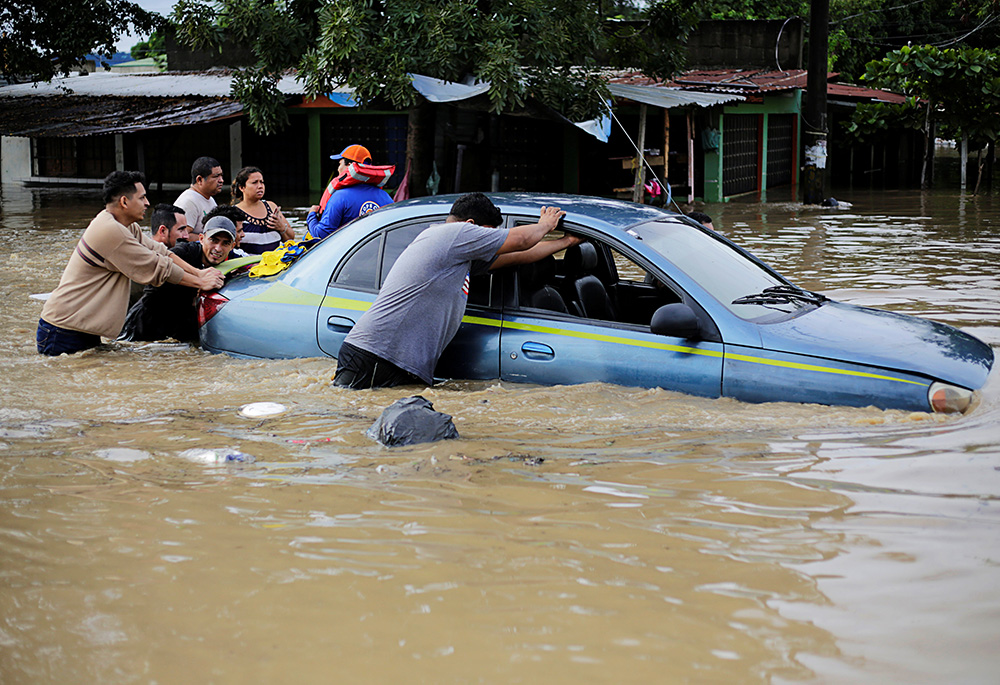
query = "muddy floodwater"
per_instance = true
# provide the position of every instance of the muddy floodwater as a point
(578, 534)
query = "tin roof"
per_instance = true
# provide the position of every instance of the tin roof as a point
(104, 102)
(743, 80)
(862, 94)
(214, 83)
(74, 115)
(747, 82)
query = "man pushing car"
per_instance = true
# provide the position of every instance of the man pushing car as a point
(419, 308)
(92, 296)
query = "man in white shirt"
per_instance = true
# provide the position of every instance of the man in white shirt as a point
(199, 199)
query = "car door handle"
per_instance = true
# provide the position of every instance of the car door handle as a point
(535, 350)
(340, 323)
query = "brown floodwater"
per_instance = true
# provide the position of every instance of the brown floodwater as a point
(591, 533)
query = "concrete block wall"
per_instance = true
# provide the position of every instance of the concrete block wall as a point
(744, 44)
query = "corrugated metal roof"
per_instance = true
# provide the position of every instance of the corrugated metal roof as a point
(860, 93)
(74, 115)
(168, 84)
(661, 96)
(743, 80)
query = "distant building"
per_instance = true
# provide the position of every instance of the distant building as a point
(711, 134)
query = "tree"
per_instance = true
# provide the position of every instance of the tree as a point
(42, 38)
(154, 47)
(862, 31)
(549, 51)
(865, 30)
(957, 90)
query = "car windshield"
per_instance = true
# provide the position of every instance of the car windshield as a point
(722, 271)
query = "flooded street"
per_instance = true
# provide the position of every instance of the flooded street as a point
(590, 533)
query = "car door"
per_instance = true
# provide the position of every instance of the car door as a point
(552, 347)
(355, 281)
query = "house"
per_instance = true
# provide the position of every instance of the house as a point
(712, 133)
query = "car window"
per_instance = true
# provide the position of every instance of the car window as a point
(360, 268)
(614, 289)
(715, 265)
(396, 241)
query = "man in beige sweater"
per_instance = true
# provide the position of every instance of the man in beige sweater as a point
(92, 296)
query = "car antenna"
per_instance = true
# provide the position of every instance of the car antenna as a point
(663, 184)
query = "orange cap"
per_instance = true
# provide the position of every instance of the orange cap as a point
(354, 153)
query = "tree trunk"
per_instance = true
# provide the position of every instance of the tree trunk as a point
(420, 145)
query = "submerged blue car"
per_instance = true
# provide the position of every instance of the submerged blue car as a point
(650, 299)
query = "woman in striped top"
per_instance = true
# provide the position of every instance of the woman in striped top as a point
(265, 227)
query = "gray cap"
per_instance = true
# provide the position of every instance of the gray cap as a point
(220, 224)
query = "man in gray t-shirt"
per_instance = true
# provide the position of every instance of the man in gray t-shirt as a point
(399, 340)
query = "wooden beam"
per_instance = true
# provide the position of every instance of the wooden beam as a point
(640, 170)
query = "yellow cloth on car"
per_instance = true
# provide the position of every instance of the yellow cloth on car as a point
(276, 261)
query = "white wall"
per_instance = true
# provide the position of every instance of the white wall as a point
(15, 159)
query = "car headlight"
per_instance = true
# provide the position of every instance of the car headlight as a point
(945, 398)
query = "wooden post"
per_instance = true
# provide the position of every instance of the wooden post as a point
(640, 170)
(666, 147)
(690, 146)
(235, 147)
(119, 152)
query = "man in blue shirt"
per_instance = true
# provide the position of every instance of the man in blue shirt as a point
(351, 197)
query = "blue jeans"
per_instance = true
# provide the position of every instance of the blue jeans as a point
(53, 341)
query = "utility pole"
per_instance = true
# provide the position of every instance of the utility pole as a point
(814, 113)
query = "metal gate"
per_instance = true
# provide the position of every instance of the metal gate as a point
(740, 153)
(780, 149)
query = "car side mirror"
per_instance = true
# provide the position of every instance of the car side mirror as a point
(676, 320)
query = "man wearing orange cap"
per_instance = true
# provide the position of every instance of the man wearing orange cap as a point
(350, 196)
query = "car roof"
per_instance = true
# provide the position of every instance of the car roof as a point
(615, 213)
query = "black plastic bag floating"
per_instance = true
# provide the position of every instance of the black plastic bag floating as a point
(409, 421)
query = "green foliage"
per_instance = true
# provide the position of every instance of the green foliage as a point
(754, 9)
(155, 47)
(865, 30)
(870, 120)
(551, 50)
(42, 38)
(959, 88)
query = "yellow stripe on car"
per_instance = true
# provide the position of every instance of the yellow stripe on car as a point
(361, 305)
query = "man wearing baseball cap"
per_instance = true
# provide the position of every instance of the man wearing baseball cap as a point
(352, 195)
(169, 311)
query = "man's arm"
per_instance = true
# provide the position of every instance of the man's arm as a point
(539, 251)
(526, 237)
(203, 279)
(327, 224)
(182, 264)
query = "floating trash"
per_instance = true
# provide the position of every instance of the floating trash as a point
(217, 456)
(257, 410)
(123, 454)
(409, 421)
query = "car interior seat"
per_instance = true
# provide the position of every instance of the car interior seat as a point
(588, 296)
(534, 280)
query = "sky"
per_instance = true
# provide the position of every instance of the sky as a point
(161, 7)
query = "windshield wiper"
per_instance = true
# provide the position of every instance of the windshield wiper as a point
(782, 294)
